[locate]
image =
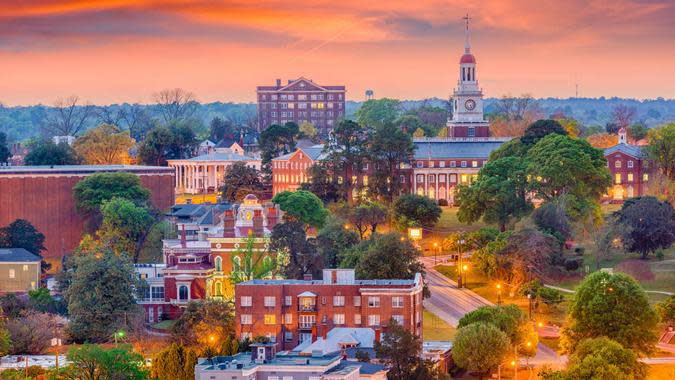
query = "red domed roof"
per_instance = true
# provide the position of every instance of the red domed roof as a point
(467, 58)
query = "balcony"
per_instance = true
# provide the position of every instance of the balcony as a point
(175, 301)
(306, 325)
(307, 308)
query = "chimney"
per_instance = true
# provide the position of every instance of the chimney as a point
(333, 277)
(307, 277)
(258, 223)
(314, 333)
(183, 239)
(272, 217)
(228, 224)
(378, 335)
(324, 332)
(278, 82)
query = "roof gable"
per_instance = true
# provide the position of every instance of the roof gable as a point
(630, 150)
(302, 84)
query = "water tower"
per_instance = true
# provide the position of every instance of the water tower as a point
(369, 94)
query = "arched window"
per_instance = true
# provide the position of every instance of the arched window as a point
(237, 263)
(468, 76)
(432, 193)
(219, 264)
(218, 288)
(183, 292)
(463, 74)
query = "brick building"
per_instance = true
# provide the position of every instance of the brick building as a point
(290, 170)
(43, 195)
(290, 312)
(201, 267)
(301, 100)
(630, 169)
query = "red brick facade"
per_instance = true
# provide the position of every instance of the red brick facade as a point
(290, 311)
(44, 197)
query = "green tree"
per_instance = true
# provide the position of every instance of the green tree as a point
(5, 154)
(645, 225)
(220, 128)
(41, 300)
(302, 206)
(239, 181)
(498, 196)
(367, 215)
(386, 257)
(638, 131)
(666, 310)
(48, 153)
(125, 226)
(308, 131)
(104, 145)
(22, 234)
(93, 362)
(275, 141)
(511, 321)
(322, 183)
(601, 358)
(480, 347)
(154, 149)
(100, 295)
(389, 148)
(400, 349)
(175, 362)
(412, 210)
(540, 129)
(661, 148)
(560, 165)
(377, 112)
(346, 154)
(300, 257)
(91, 192)
(251, 263)
(614, 306)
(334, 238)
(202, 320)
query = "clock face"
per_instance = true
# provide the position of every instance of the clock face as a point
(470, 104)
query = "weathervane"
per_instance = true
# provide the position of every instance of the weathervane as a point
(467, 47)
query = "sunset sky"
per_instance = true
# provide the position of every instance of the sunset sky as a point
(111, 51)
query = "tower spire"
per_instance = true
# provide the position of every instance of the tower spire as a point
(467, 46)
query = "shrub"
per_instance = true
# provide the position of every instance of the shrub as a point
(571, 264)
(442, 202)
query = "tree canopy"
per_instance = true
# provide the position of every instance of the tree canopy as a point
(93, 362)
(646, 224)
(48, 153)
(377, 112)
(204, 319)
(662, 148)
(412, 210)
(540, 129)
(384, 257)
(333, 239)
(480, 347)
(125, 226)
(22, 234)
(239, 181)
(5, 154)
(511, 321)
(389, 148)
(296, 255)
(614, 306)
(175, 362)
(303, 206)
(91, 192)
(104, 145)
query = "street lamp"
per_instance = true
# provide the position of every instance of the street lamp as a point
(56, 343)
(119, 334)
(529, 300)
(460, 243)
(435, 252)
(465, 268)
(499, 294)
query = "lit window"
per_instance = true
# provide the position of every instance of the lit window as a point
(464, 178)
(270, 319)
(431, 164)
(25, 268)
(246, 301)
(441, 164)
(397, 302)
(617, 178)
(645, 177)
(246, 319)
(474, 164)
(339, 319)
(365, 180)
(270, 301)
(373, 301)
(630, 177)
(374, 320)
(11, 273)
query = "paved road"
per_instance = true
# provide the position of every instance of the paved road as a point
(450, 304)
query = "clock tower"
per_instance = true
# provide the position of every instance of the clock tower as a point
(467, 99)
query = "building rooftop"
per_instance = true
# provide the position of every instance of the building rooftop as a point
(321, 282)
(218, 156)
(631, 150)
(243, 361)
(347, 366)
(443, 148)
(314, 152)
(46, 169)
(17, 255)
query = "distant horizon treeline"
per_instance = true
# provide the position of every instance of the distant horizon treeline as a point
(26, 122)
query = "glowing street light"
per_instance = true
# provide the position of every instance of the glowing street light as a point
(499, 294)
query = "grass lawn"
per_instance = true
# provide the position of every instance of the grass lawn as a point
(164, 325)
(434, 328)
(661, 372)
(447, 224)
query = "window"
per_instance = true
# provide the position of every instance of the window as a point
(397, 302)
(287, 378)
(617, 178)
(236, 263)
(323, 300)
(373, 301)
(270, 301)
(630, 163)
(272, 377)
(288, 336)
(157, 292)
(645, 177)
(420, 164)
(463, 164)
(365, 180)
(357, 319)
(431, 164)
(432, 178)
(453, 178)
(453, 164)
(288, 318)
(219, 264)
(246, 301)
(270, 319)
(630, 177)
(339, 319)
(401, 178)
(398, 319)
(183, 292)
(617, 164)
(338, 300)
(218, 289)
(357, 300)
(374, 320)
(288, 301)
(246, 319)
(474, 164)
(441, 164)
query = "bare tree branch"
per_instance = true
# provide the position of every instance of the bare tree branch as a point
(68, 118)
(175, 104)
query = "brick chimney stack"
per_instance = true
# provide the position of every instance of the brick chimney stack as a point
(324, 332)
(378, 335)
(228, 224)
(258, 223)
(183, 239)
(272, 216)
(313, 333)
